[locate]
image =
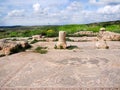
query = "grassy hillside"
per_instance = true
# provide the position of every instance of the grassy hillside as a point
(51, 31)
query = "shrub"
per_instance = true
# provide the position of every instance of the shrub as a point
(17, 49)
(51, 33)
(55, 47)
(13, 34)
(61, 47)
(2, 55)
(41, 50)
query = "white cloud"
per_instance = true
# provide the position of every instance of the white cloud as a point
(109, 9)
(16, 13)
(72, 13)
(92, 1)
(61, 12)
(110, 1)
(75, 6)
(39, 10)
(104, 2)
(106, 13)
(44, 15)
(36, 7)
(30, 2)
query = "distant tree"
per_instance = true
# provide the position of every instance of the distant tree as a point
(51, 33)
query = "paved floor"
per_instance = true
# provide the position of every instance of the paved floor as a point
(83, 67)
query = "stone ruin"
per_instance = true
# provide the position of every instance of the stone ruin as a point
(108, 36)
(87, 33)
(101, 42)
(8, 47)
(36, 37)
(62, 40)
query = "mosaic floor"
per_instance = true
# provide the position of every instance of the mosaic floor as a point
(61, 68)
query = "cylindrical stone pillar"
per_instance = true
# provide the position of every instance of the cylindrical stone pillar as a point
(62, 40)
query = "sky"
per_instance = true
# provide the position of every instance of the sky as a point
(57, 12)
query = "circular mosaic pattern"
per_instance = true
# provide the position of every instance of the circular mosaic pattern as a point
(83, 61)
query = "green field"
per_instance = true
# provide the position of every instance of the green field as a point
(52, 30)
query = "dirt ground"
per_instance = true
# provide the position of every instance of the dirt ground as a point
(82, 67)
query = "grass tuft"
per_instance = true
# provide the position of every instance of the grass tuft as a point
(41, 50)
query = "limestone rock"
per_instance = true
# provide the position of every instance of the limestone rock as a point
(110, 36)
(24, 44)
(6, 50)
(8, 47)
(36, 37)
(101, 44)
(87, 33)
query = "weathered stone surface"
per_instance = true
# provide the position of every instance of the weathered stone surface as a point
(63, 68)
(62, 40)
(8, 47)
(101, 44)
(88, 33)
(6, 50)
(107, 35)
(36, 37)
(24, 44)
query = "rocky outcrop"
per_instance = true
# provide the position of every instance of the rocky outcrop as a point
(9, 47)
(24, 44)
